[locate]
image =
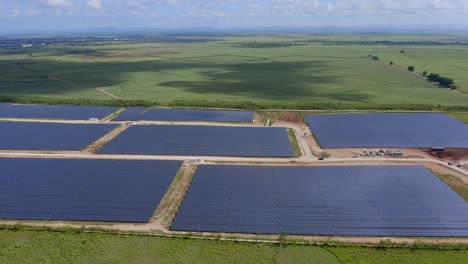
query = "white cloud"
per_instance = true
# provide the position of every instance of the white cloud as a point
(59, 3)
(94, 4)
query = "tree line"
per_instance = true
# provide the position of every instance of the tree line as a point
(235, 105)
(434, 77)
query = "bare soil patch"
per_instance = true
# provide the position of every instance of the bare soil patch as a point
(449, 154)
(289, 117)
(169, 205)
(259, 119)
(105, 139)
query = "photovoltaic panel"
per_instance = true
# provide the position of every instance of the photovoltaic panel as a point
(401, 130)
(55, 111)
(152, 114)
(334, 201)
(83, 190)
(50, 136)
(201, 141)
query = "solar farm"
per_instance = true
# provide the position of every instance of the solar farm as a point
(54, 111)
(201, 141)
(151, 114)
(388, 130)
(83, 190)
(219, 172)
(50, 136)
(331, 201)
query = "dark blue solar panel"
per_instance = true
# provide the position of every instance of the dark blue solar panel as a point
(408, 130)
(151, 114)
(83, 190)
(201, 140)
(55, 111)
(50, 136)
(347, 200)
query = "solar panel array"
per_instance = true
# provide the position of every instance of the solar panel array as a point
(415, 130)
(50, 136)
(201, 140)
(55, 111)
(83, 190)
(350, 201)
(151, 114)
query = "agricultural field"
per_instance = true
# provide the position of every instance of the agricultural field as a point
(33, 246)
(293, 68)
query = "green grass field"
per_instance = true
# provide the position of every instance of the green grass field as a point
(460, 116)
(23, 246)
(220, 71)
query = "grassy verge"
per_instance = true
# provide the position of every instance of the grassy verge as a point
(401, 255)
(22, 246)
(460, 116)
(294, 143)
(36, 246)
(456, 184)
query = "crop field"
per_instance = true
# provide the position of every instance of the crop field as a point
(324, 69)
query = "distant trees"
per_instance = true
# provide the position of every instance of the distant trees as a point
(391, 63)
(375, 58)
(411, 68)
(402, 51)
(442, 81)
(424, 73)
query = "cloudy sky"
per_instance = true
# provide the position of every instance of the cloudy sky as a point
(44, 15)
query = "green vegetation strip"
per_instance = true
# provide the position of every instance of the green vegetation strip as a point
(401, 255)
(460, 116)
(456, 184)
(294, 143)
(22, 246)
(67, 246)
(234, 105)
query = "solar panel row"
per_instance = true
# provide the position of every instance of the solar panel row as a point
(388, 130)
(83, 190)
(355, 201)
(50, 136)
(201, 140)
(142, 113)
(55, 111)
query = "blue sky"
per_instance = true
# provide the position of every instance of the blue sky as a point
(44, 15)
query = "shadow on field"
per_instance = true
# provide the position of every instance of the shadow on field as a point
(270, 80)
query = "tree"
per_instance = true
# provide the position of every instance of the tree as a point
(424, 73)
(411, 68)
(375, 58)
(442, 81)
(402, 51)
(391, 63)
